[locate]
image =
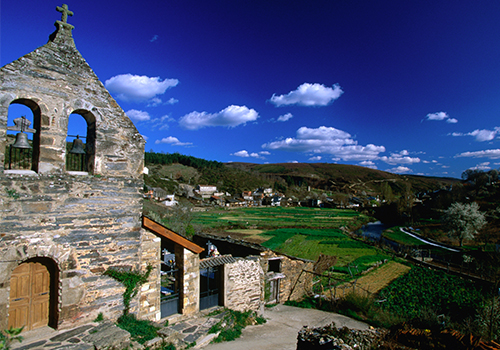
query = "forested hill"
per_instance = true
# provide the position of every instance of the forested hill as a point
(172, 158)
(169, 169)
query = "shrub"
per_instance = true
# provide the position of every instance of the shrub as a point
(424, 289)
(132, 281)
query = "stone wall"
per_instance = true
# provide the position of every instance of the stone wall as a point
(55, 81)
(149, 296)
(243, 281)
(84, 224)
(78, 226)
(291, 278)
(189, 263)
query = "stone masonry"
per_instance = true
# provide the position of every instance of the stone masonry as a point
(243, 284)
(76, 226)
(189, 262)
(293, 283)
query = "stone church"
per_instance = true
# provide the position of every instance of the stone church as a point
(62, 226)
(71, 208)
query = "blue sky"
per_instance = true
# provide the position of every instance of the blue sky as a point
(402, 86)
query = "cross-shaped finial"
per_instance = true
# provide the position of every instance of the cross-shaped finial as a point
(65, 12)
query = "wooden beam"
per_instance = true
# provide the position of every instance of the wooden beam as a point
(161, 230)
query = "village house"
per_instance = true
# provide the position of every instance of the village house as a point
(170, 200)
(206, 191)
(72, 211)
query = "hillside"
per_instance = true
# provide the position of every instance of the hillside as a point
(170, 170)
(341, 178)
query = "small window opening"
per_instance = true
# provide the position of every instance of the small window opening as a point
(274, 265)
(21, 149)
(77, 152)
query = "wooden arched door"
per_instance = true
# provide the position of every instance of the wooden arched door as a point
(29, 296)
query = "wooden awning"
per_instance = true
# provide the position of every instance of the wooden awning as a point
(162, 231)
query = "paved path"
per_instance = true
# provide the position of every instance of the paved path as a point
(282, 327)
(280, 332)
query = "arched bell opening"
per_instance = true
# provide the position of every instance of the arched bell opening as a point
(80, 142)
(34, 294)
(23, 136)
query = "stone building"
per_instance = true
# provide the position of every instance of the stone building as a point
(62, 227)
(284, 277)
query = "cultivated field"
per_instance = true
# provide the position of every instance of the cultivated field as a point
(378, 279)
(301, 232)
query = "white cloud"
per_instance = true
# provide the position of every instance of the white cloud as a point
(174, 141)
(322, 133)
(138, 88)
(265, 153)
(485, 135)
(327, 140)
(285, 117)
(400, 158)
(162, 122)
(399, 170)
(172, 101)
(242, 153)
(309, 95)
(481, 135)
(315, 159)
(489, 153)
(293, 161)
(368, 164)
(138, 116)
(482, 166)
(155, 101)
(230, 116)
(245, 154)
(440, 116)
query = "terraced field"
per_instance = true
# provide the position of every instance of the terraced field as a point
(279, 217)
(301, 232)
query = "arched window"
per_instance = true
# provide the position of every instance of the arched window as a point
(80, 143)
(23, 136)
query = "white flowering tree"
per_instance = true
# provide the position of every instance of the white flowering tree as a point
(464, 220)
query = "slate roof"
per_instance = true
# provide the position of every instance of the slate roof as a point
(216, 261)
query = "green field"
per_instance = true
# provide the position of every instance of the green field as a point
(300, 232)
(279, 217)
(395, 234)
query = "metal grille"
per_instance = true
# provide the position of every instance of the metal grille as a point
(169, 289)
(19, 158)
(75, 161)
(209, 287)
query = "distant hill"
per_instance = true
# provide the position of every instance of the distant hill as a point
(342, 178)
(170, 170)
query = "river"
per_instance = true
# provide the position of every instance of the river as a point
(373, 230)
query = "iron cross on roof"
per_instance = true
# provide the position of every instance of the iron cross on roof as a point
(65, 12)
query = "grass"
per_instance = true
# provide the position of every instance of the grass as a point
(140, 330)
(396, 235)
(232, 323)
(309, 243)
(301, 232)
(269, 218)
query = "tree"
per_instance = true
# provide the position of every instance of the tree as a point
(464, 220)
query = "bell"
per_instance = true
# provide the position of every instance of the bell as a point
(21, 141)
(77, 147)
